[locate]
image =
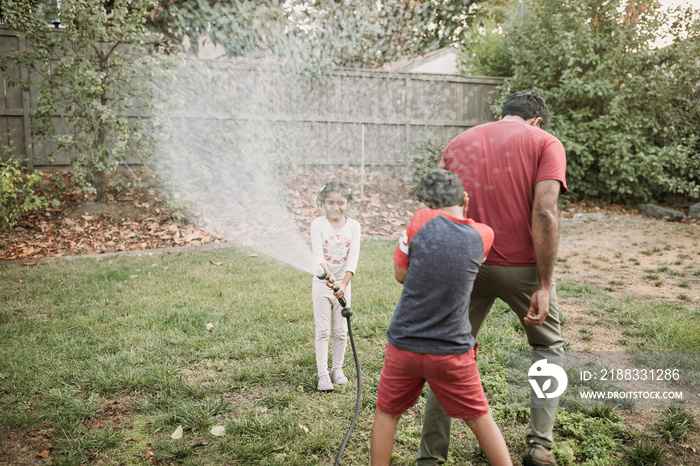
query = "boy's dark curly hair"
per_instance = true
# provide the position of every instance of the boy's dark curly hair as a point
(440, 188)
(334, 186)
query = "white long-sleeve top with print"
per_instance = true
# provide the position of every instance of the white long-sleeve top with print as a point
(339, 249)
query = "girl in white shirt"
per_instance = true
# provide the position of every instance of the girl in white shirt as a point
(335, 244)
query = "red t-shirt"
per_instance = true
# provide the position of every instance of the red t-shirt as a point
(499, 164)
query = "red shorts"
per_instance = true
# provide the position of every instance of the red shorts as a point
(454, 379)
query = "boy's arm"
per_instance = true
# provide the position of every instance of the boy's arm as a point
(399, 273)
(401, 257)
(401, 261)
(487, 236)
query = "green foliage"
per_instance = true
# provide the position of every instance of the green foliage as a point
(19, 192)
(96, 74)
(428, 155)
(596, 438)
(645, 453)
(362, 33)
(484, 50)
(625, 109)
(675, 423)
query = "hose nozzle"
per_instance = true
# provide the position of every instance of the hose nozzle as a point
(323, 275)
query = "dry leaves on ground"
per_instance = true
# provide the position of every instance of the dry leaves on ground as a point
(141, 220)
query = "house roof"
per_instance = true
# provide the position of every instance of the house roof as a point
(441, 61)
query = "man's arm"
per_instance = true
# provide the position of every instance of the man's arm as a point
(545, 239)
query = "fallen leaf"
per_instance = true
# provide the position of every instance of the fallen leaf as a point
(30, 263)
(217, 262)
(177, 434)
(129, 439)
(251, 255)
(218, 431)
(210, 327)
(149, 454)
(87, 217)
(304, 428)
(43, 454)
(462, 434)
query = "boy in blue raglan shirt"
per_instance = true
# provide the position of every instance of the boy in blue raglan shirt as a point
(429, 338)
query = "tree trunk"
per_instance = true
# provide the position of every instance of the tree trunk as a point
(99, 182)
(99, 153)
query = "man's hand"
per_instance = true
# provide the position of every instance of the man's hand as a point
(539, 307)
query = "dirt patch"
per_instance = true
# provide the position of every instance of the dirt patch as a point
(627, 256)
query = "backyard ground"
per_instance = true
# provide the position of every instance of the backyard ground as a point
(614, 249)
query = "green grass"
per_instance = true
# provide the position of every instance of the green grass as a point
(675, 423)
(646, 453)
(97, 351)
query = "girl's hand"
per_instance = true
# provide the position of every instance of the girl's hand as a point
(341, 290)
(330, 281)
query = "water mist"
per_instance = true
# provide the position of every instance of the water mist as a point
(225, 161)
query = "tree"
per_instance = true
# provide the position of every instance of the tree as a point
(348, 33)
(95, 74)
(626, 110)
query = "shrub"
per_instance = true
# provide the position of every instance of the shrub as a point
(428, 155)
(625, 109)
(98, 74)
(18, 193)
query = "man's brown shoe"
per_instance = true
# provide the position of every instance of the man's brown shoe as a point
(537, 455)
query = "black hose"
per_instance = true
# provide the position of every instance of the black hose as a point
(347, 312)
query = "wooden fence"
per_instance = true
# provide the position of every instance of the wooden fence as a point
(347, 118)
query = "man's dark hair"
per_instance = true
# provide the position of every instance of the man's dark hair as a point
(440, 188)
(526, 105)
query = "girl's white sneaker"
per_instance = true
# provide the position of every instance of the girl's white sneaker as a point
(338, 377)
(325, 384)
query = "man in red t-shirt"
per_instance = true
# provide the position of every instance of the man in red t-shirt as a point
(514, 172)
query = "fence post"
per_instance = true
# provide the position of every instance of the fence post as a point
(26, 112)
(407, 116)
(362, 165)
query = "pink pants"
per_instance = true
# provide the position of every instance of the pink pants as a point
(327, 317)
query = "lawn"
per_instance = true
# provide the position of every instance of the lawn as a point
(102, 360)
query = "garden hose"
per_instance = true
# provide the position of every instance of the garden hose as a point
(347, 312)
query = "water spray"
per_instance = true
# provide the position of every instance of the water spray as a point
(346, 312)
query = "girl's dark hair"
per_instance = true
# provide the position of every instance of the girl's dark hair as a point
(526, 105)
(440, 188)
(334, 186)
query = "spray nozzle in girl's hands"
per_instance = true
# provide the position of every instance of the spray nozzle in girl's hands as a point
(324, 274)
